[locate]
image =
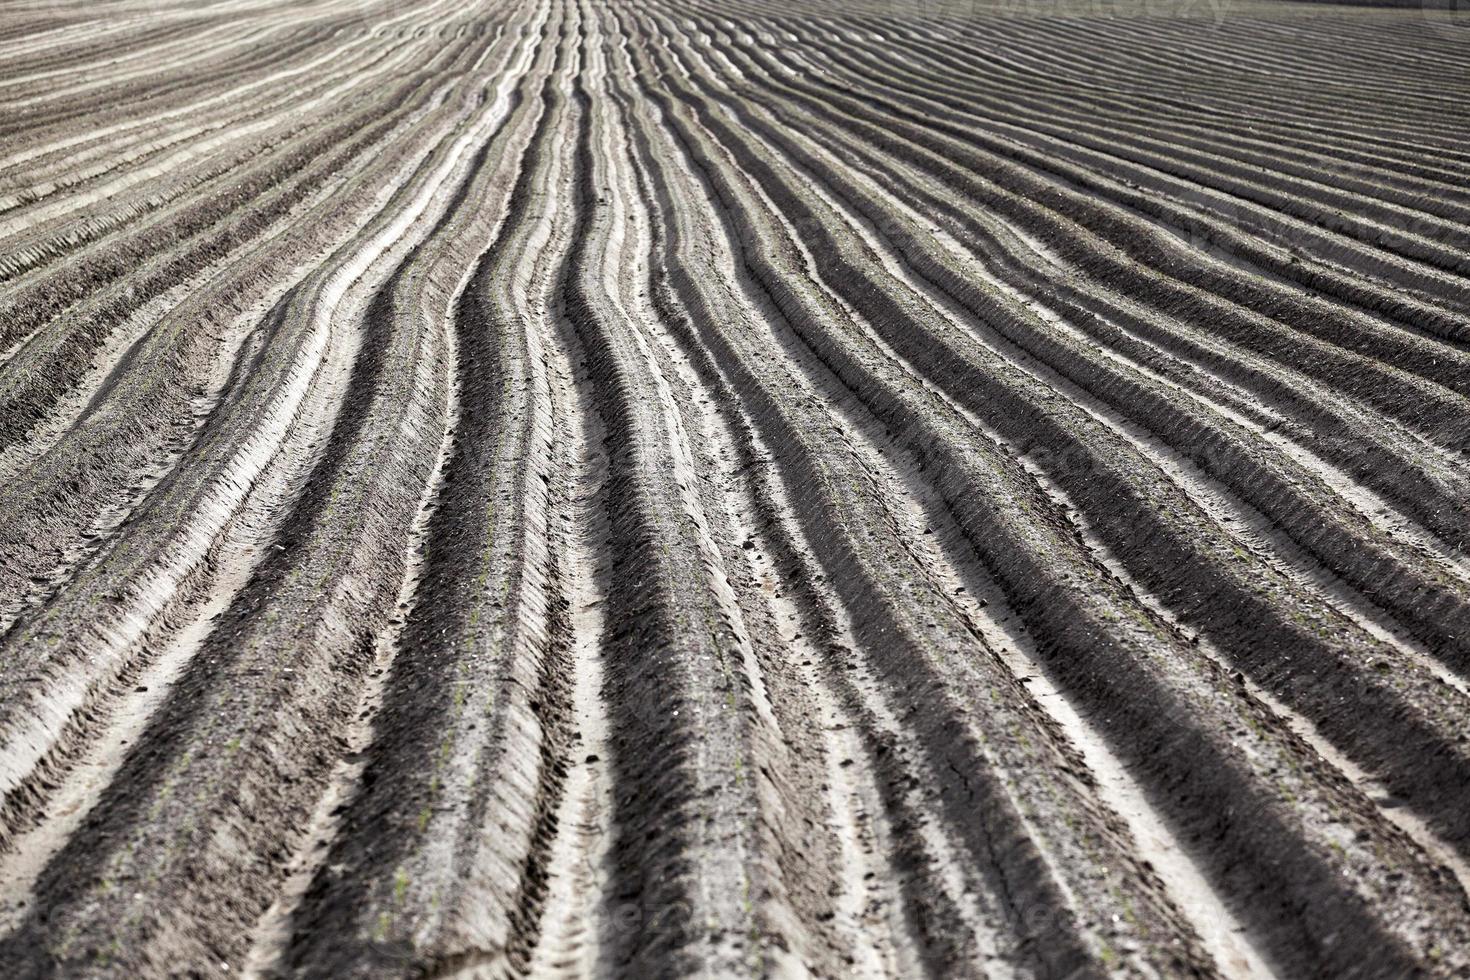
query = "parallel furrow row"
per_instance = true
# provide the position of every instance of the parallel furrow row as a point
(556, 488)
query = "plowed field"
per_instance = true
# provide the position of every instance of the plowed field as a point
(734, 487)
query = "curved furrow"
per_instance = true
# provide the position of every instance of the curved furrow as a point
(1117, 321)
(151, 86)
(97, 55)
(50, 221)
(155, 548)
(1023, 254)
(1060, 184)
(50, 291)
(112, 134)
(1088, 480)
(1032, 68)
(118, 62)
(392, 894)
(781, 592)
(1419, 234)
(1223, 457)
(1134, 60)
(1131, 178)
(131, 405)
(539, 488)
(1372, 175)
(182, 47)
(415, 932)
(85, 291)
(315, 602)
(1153, 50)
(1381, 828)
(865, 606)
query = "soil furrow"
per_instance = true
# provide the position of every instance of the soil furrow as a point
(878, 488)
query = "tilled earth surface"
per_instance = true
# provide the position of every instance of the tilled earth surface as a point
(669, 487)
